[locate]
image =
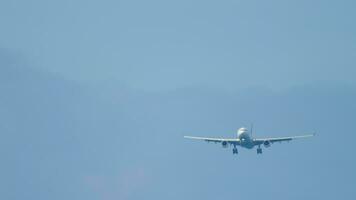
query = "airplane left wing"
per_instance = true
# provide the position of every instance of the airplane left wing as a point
(280, 139)
(216, 140)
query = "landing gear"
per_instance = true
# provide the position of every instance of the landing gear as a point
(234, 151)
(259, 150)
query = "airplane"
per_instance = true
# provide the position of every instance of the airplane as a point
(246, 140)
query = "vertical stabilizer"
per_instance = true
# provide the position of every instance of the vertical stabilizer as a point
(251, 130)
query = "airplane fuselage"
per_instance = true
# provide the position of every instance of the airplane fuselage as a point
(245, 137)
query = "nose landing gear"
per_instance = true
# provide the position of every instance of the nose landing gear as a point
(259, 150)
(235, 151)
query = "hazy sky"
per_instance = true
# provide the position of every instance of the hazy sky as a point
(172, 44)
(95, 97)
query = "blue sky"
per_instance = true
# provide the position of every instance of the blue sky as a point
(96, 96)
(230, 44)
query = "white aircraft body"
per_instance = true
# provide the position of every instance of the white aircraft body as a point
(245, 139)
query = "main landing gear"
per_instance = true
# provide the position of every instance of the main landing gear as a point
(235, 151)
(259, 150)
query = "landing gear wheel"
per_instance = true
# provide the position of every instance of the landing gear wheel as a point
(234, 151)
(259, 151)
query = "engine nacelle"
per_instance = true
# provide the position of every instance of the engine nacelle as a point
(267, 143)
(224, 144)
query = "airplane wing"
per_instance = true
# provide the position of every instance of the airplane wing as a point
(280, 139)
(216, 140)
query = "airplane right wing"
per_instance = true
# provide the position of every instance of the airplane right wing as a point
(235, 141)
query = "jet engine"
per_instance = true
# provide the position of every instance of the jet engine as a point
(267, 143)
(224, 144)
